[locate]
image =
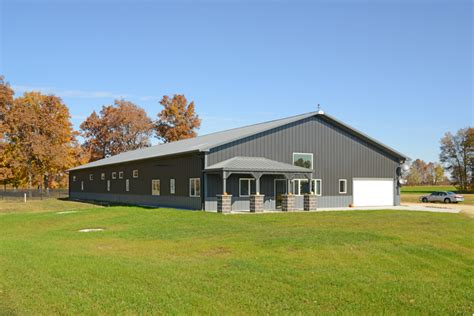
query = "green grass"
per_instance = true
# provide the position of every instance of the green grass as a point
(150, 261)
(425, 189)
(46, 205)
(412, 194)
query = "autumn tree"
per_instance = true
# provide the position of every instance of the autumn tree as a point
(41, 137)
(457, 155)
(417, 173)
(434, 173)
(117, 128)
(178, 119)
(421, 172)
(6, 102)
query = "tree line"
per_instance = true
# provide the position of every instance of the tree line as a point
(38, 142)
(455, 166)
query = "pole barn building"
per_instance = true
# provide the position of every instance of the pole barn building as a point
(263, 166)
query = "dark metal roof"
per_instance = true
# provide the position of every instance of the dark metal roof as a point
(256, 164)
(206, 142)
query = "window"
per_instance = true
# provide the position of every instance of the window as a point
(304, 160)
(195, 187)
(155, 187)
(172, 186)
(102, 176)
(342, 186)
(127, 185)
(91, 177)
(73, 178)
(120, 174)
(82, 185)
(317, 187)
(114, 175)
(246, 186)
(108, 185)
(135, 173)
(301, 186)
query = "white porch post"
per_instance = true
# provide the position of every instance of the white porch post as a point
(224, 184)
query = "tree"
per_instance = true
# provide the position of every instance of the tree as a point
(434, 173)
(40, 137)
(118, 128)
(6, 102)
(457, 155)
(178, 120)
(417, 172)
(438, 174)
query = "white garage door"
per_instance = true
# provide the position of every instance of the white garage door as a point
(373, 192)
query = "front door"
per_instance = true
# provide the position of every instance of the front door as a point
(280, 189)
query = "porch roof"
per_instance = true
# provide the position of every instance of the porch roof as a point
(256, 164)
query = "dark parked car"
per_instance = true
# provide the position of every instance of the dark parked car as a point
(442, 196)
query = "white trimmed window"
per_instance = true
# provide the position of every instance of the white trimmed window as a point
(318, 187)
(246, 186)
(120, 174)
(127, 185)
(135, 173)
(155, 187)
(73, 178)
(304, 160)
(114, 175)
(172, 186)
(108, 185)
(301, 186)
(91, 177)
(195, 187)
(342, 186)
(102, 176)
(82, 185)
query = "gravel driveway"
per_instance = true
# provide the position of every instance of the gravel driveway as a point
(466, 209)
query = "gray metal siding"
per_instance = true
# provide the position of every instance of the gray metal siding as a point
(137, 199)
(336, 154)
(181, 168)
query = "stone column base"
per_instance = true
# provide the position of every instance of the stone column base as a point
(288, 203)
(256, 203)
(309, 202)
(224, 204)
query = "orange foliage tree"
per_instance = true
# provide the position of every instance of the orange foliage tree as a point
(40, 138)
(118, 128)
(6, 102)
(178, 120)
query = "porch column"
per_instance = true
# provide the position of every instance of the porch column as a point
(256, 203)
(309, 202)
(224, 200)
(257, 199)
(224, 182)
(288, 203)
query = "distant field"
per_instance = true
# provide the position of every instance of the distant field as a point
(411, 194)
(424, 189)
(165, 261)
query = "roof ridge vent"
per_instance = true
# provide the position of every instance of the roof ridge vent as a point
(319, 109)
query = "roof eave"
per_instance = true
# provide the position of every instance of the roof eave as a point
(133, 160)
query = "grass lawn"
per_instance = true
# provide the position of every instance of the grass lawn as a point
(46, 205)
(411, 194)
(169, 261)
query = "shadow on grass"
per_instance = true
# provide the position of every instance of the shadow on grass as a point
(113, 204)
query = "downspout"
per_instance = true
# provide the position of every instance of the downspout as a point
(203, 180)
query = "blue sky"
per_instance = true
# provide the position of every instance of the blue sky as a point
(400, 71)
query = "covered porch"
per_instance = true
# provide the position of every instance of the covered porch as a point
(253, 184)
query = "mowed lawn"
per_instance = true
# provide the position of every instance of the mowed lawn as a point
(149, 261)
